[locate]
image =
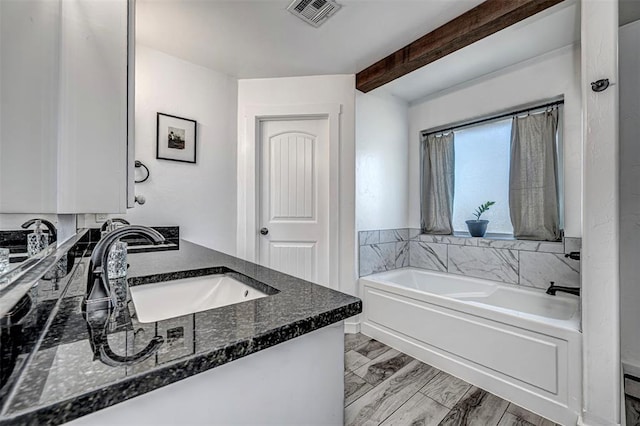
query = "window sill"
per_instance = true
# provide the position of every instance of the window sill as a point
(496, 241)
(490, 236)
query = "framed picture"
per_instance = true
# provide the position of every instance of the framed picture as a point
(176, 138)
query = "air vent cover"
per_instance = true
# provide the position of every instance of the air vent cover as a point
(314, 12)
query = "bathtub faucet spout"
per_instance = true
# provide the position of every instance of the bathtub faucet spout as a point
(554, 288)
(575, 255)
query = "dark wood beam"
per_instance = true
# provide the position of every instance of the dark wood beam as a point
(476, 24)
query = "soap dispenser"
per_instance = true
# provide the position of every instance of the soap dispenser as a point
(37, 240)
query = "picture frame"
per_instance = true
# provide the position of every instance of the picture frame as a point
(176, 138)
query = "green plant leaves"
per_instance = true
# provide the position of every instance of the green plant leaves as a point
(483, 208)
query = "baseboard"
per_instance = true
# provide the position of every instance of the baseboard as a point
(351, 327)
(594, 422)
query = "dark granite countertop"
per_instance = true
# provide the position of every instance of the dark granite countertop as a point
(62, 377)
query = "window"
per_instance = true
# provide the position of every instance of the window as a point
(482, 174)
(481, 166)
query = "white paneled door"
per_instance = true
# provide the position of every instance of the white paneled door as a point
(293, 225)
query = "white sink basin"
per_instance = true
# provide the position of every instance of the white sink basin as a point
(170, 299)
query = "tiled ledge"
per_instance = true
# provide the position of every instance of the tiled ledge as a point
(528, 263)
(540, 246)
(383, 236)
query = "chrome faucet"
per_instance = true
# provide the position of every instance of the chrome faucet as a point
(98, 296)
(107, 225)
(53, 235)
(554, 288)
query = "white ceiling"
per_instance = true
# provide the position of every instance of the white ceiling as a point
(547, 31)
(260, 38)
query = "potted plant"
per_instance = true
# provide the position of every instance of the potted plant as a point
(477, 227)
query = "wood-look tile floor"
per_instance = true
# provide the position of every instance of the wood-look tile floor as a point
(383, 386)
(632, 411)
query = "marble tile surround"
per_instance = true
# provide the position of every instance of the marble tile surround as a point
(527, 263)
(428, 255)
(382, 257)
(484, 262)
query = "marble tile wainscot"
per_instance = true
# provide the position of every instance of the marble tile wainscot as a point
(383, 250)
(527, 263)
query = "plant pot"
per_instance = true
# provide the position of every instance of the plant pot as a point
(477, 228)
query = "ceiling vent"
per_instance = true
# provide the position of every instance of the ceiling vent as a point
(314, 12)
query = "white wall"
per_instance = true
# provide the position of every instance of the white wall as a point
(555, 73)
(331, 89)
(382, 161)
(629, 57)
(600, 266)
(200, 198)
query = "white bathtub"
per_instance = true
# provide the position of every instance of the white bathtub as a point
(518, 343)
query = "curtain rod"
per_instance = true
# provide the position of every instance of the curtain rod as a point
(462, 124)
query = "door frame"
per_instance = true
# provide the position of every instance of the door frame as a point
(248, 176)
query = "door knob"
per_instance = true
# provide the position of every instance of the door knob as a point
(264, 231)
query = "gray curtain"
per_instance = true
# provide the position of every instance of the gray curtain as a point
(533, 177)
(436, 205)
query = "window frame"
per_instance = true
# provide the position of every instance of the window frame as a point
(531, 108)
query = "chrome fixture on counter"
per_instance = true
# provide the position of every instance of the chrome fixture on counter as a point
(111, 224)
(53, 233)
(99, 295)
(38, 240)
(105, 298)
(555, 288)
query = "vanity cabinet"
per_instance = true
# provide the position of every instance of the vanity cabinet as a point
(66, 106)
(29, 50)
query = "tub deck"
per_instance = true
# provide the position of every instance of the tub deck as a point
(561, 310)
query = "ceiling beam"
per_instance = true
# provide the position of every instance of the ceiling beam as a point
(481, 21)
